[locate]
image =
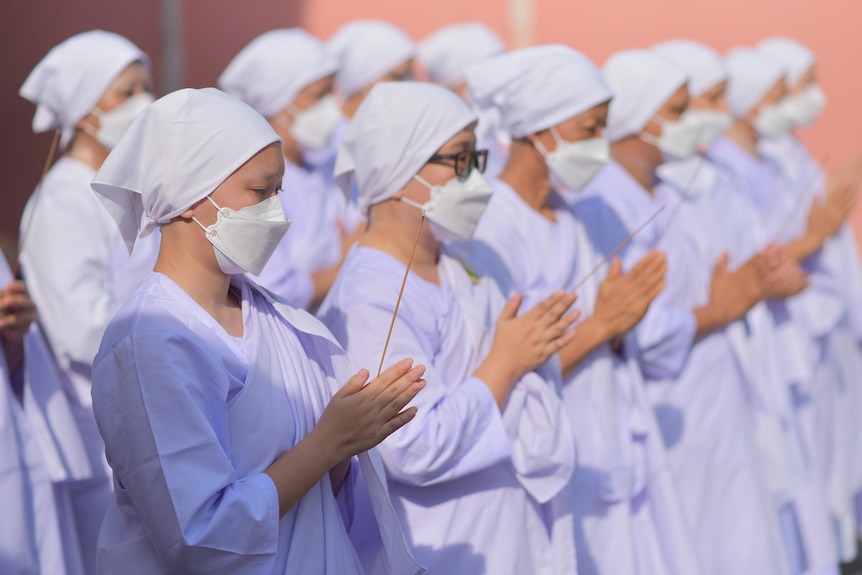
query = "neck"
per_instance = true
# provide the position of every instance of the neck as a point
(396, 237)
(87, 150)
(639, 159)
(527, 173)
(193, 269)
(743, 135)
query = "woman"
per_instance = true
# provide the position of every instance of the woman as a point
(722, 219)
(478, 478)
(554, 102)
(694, 383)
(212, 395)
(287, 76)
(756, 92)
(89, 88)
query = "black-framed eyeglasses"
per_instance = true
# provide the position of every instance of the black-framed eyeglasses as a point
(465, 161)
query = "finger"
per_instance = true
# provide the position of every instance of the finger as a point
(510, 310)
(389, 376)
(354, 384)
(16, 287)
(403, 399)
(562, 325)
(386, 395)
(17, 302)
(397, 422)
(616, 269)
(721, 264)
(539, 310)
(552, 315)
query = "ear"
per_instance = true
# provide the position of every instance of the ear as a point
(89, 121)
(190, 212)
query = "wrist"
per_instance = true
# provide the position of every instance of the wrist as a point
(330, 451)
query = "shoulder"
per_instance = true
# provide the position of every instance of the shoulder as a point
(152, 312)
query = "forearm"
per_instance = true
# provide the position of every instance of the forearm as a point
(591, 334)
(499, 376)
(296, 472)
(802, 247)
(709, 318)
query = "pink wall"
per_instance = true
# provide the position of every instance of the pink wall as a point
(599, 28)
(214, 30)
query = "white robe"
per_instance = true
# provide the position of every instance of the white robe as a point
(478, 490)
(841, 259)
(697, 388)
(627, 516)
(78, 272)
(31, 536)
(192, 417)
(720, 218)
(827, 404)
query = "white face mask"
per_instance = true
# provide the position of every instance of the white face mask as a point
(245, 239)
(805, 107)
(772, 122)
(679, 139)
(114, 123)
(454, 208)
(574, 164)
(312, 127)
(713, 124)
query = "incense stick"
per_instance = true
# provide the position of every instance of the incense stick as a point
(36, 195)
(618, 248)
(400, 293)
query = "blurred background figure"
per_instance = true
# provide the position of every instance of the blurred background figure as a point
(287, 75)
(444, 55)
(89, 89)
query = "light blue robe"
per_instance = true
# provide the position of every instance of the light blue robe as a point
(479, 491)
(696, 387)
(192, 417)
(628, 519)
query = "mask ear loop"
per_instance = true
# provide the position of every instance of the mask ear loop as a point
(400, 293)
(36, 196)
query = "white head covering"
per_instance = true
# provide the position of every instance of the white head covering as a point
(69, 81)
(795, 57)
(751, 75)
(704, 66)
(270, 72)
(396, 129)
(180, 149)
(447, 52)
(642, 81)
(366, 50)
(537, 88)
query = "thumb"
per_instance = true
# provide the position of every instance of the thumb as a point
(616, 269)
(721, 264)
(510, 310)
(354, 384)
